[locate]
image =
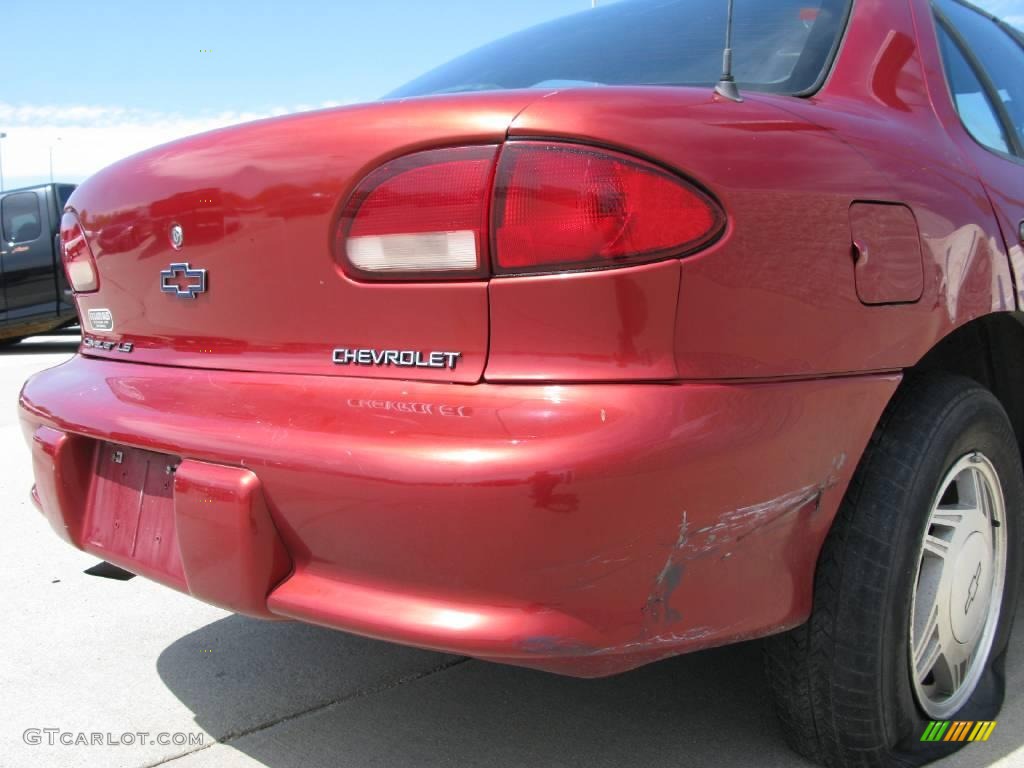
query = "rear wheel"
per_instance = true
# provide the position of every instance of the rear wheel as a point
(962, 562)
(916, 586)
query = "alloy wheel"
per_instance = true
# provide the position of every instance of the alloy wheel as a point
(959, 587)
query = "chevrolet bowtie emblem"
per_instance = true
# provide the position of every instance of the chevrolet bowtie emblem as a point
(183, 281)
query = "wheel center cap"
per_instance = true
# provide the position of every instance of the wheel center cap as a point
(972, 585)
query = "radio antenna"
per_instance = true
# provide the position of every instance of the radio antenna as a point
(727, 87)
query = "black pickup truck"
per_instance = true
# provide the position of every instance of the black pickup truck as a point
(35, 296)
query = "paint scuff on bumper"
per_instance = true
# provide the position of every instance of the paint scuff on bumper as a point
(729, 531)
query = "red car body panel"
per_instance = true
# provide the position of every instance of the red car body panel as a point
(626, 464)
(577, 528)
(258, 205)
(777, 297)
(611, 326)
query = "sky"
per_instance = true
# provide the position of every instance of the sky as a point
(90, 83)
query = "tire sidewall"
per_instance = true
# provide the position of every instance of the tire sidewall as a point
(976, 422)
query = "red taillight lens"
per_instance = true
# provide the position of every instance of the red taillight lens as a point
(561, 206)
(421, 216)
(79, 264)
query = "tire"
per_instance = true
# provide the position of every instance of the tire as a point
(846, 689)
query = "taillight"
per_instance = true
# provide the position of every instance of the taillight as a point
(564, 206)
(79, 264)
(470, 212)
(421, 216)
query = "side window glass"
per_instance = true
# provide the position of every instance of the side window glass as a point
(21, 220)
(1000, 55)
(976, 111)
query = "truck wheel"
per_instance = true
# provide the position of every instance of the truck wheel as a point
(915, 590)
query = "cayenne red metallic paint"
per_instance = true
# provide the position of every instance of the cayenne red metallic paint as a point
(580, 455)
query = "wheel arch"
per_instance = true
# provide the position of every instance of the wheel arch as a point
(990, 351)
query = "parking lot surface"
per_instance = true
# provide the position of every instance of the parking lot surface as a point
(83, 654)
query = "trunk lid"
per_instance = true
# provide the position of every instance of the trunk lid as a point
(257, 207)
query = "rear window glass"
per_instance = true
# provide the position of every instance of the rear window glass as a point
(784, 46)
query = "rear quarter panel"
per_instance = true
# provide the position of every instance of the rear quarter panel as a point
(776, 297)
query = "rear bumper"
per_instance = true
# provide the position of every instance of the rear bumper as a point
(583, 529)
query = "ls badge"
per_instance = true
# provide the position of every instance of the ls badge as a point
(124, 347)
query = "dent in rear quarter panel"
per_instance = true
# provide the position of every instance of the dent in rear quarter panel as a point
(777, 295)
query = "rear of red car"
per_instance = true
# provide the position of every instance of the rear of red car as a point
(427, 369)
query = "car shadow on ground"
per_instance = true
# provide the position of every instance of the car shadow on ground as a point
(61, 342)
(711, 708)
(54, 347)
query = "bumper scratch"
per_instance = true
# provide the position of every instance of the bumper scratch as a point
(732, 527)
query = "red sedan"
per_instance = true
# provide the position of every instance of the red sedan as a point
(563, 356)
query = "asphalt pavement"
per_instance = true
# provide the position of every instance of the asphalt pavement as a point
(84, 658)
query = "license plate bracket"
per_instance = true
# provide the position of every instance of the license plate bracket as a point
(130, 514)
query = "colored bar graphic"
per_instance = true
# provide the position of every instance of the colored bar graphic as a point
(985, 732)
(958, 730)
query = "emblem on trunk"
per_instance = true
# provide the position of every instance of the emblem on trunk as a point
(183, 281)
(400, 358)
(177, 235)
(124, 347)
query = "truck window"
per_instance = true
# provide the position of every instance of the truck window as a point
(21, 219)
(63, 194)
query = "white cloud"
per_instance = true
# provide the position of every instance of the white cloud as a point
(86, 138)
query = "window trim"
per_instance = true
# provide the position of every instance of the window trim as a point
(833, 57)
(39, 217)
(1015, 34)
(1013, 140)
(1012, 32)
